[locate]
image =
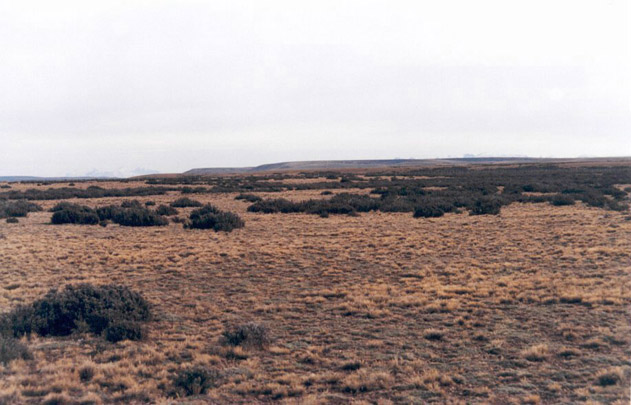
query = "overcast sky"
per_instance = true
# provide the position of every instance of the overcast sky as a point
(122, 86)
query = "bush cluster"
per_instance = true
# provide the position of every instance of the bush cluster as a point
(64, 193)
(19, 208)
(112, 311)
(129, 213)
(185, 202)
(248, 197)
(68, 213)
(166, 210)
(210, 217)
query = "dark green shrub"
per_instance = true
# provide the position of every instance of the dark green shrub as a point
(74, 214)
(132, 215)
(486, 206)
(123, 330)
(194, 381)
(64, 193)
(273, 206)
(139, 217)
(194, 190)
(248, 197)
(428, 211)
(562, 199)
(185, 202)
(166, 210)
(12, 220)
(79, 308)
(19, 208)
(209, 217)
(131, 204)
(150, 203)
(11, 349)
(249, 334)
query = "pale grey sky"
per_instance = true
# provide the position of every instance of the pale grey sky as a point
(112, 86)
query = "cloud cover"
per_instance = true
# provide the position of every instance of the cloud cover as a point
(175, 85)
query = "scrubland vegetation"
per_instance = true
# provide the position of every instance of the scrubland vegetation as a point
(447, 285)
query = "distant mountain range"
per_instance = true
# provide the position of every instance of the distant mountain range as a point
(360, 164)
(321, 165)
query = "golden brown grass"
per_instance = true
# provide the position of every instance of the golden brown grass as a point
(530, 306)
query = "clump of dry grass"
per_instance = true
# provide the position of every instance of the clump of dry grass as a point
(194, 381)
(366, 380)
(538, 352)
(250, 334)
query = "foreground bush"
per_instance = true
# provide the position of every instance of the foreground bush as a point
(185, 202)
(250, 334)
(113, 309)
(67, 213)
(209, 217)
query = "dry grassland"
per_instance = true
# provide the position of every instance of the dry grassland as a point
(529, 306)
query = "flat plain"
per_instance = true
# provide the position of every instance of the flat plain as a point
(528, 306)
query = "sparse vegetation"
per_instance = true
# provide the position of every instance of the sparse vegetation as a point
(528, 307)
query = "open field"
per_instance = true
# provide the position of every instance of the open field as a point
(528, 306)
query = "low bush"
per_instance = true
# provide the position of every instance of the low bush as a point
(131, 204)
(209, 217)
(248, 197)
(19, 208)
(12, 220)
(272, 206)
(428, 211)
(185, 202)
(249, 334)
(123, 330)
(74, 214)
(486, 206)
(562, 199)
(64, 193)
(81, 308)
(131, 215)
(166, 210)
(195, 380)
(12, 349)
